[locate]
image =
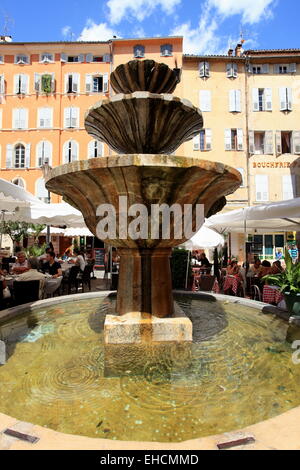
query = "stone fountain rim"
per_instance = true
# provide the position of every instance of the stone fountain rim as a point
(143, 95)
(142, 160)
(284, 428)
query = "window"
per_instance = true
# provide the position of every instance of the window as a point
(18, 156)
(262, 188)
(261, 142)
(287, 142)
(47, 58)
(205, 100)
(242, 171)
(41, 191)
(19, 160)
(71, 118)
(203, 141)
(262, 99)
(256, 70)
(2, 85)
(20, 118)
(44, 83)
(95, 149)
(95, 58)
(97, 83)
(21, 84)
(234, 139)
(44, 153)
(1, 59)
(232, 70)
(285, 97)
(72, 83)
(72, 58)
(21, 59)
(45, 118)
(283, 69)
(19, 182)
(259, 69)
(235, 105)
(288, 182)
(139, 51)
(166, 50)
(204, 69)
(70, 151)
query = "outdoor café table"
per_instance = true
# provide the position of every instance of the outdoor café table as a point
(231, 282)
(51, 285)
(272, 295)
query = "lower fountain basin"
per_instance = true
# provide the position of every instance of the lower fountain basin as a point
(237, 372)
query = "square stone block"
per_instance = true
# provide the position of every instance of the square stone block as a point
(133, 329)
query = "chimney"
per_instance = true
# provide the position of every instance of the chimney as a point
(239, 50)
(230, 52)
(5, 39)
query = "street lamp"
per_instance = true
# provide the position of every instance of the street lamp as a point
(46, 168)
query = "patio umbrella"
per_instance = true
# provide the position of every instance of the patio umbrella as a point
(281, 216)
(22, 206)
(204, 239)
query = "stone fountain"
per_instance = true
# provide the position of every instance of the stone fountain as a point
(144, 123)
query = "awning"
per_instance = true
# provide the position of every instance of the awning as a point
(281, 216)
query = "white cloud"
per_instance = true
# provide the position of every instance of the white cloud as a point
(206, 39)
(252, 11)
(96, 32)
(138, 9)
(202, 39)
(66, 31)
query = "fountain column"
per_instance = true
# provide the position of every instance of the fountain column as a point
(145, 276)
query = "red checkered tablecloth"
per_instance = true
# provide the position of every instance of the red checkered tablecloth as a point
(231, 282)
(272, 295)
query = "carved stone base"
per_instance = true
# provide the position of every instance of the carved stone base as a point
(133, 328)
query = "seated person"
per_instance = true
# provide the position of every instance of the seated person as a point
(21, 265)
(79, 260)
(43, 258)
(265, 269)
(276, 267)
(204, 263)
(254, 269)
(33, 274)
(51, 266)
(67, 255)
(233, 269)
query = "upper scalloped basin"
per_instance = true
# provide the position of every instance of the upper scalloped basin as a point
(145, 179)
(144, 75)
(143, 122)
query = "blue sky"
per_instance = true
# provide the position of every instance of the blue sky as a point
(209, 26)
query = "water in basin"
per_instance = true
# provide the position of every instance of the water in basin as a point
(238, 371)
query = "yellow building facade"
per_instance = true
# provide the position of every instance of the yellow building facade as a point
(250, 102)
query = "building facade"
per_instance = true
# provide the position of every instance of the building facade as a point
(250, 102)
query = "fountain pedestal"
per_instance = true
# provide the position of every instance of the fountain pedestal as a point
(145, 276)
(136, 328)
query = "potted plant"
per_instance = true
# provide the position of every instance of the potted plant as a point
(289, 283)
